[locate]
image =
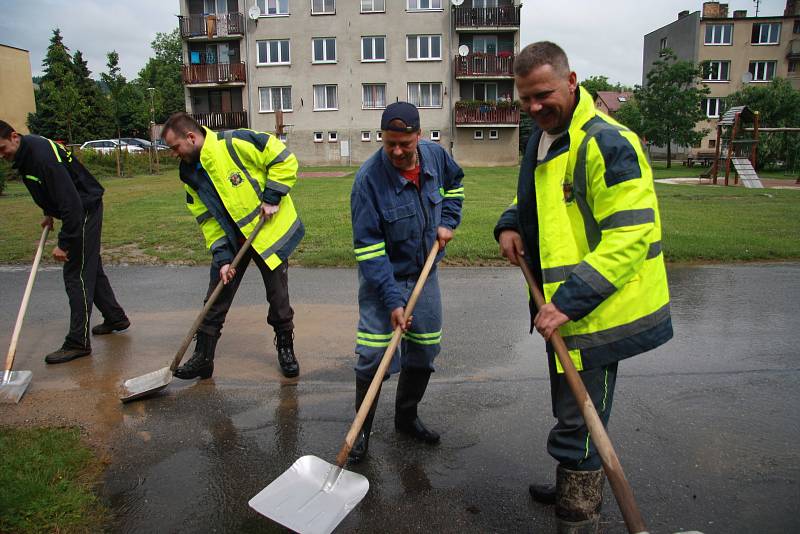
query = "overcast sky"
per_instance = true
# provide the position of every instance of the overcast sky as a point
(601, 37)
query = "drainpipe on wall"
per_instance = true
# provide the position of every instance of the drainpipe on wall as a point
(247, 23)
(452, 84)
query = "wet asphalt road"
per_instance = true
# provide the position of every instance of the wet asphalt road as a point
(706, 427)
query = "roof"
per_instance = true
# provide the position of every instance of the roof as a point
(730, 115)
(613, 99)
(14, 47)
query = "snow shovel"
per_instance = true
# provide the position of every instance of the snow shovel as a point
(15, 383)
(313, 496)
(147, 384)
(611, 466)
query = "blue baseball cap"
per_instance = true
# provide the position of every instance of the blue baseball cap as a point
(402, 111)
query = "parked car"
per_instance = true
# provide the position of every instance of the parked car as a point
(144, 144)
(108, 146)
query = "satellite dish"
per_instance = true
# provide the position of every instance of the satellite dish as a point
(463, 50)
(456, 2)
(254, 12)
(747, 77)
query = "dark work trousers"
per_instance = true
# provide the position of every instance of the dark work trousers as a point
(569, 441)
(86, 282)
(280, 315)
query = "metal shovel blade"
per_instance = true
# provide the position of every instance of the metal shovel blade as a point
(13, 386)
(141, 386)
(312, 496)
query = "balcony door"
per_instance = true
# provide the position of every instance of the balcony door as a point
(484, 3)
(485, 92)
(485, 44)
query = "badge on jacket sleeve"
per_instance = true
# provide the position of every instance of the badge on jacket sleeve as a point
(569, 194)
(235, 179)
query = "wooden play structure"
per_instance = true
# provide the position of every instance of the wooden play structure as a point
(740, 150)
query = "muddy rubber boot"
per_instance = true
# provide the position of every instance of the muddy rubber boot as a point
(579, 496)
(411, 387)
(106, 328)
(202, 361)
(286, 359)
(360, 447)
(543, 493)
(67, 354)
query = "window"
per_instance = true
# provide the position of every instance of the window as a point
(373, 96)
(663, 44)
(794, 66)
(436, 135)
(379, 136)
(282, 137)
(494, 134)
(323, 7)
(762, 71)
(423, 5)
(325, 98)
(373, 6)
(317, 137)
(477, 134)
(719, 34)
(424, 47)
(273, 7)
(366, 136)
(425, 95)
(622, 99)
(766, 33)
(796, 28)
(324, 50)
(333, 137)
(711, 106)
(712, 143)
(484, 3)
(717, 71)
(273, 52)
(373, 48)
(275, 98)
(484, 91)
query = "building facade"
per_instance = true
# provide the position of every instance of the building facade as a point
(16, 91)
(319, 72)
(735, 50)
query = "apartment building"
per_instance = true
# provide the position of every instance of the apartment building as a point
(319, 72)
(736, 50)
(16, 91)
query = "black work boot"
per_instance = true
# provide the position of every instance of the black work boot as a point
(579, 496)
(285, 346)
(543, 493)
(109, 328)
(202, 361)
(66, 354)
(410, 389)
(360, 447)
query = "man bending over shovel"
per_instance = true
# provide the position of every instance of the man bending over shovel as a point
(231, 179)
(404, 197)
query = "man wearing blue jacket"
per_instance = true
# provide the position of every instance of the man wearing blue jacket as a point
(406, 196)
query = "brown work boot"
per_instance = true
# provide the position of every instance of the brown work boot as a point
(105, 327)
(66, 354)
(579, 496)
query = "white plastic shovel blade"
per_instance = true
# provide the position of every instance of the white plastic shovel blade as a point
(311, 497)
(141, 386)
(13, 385)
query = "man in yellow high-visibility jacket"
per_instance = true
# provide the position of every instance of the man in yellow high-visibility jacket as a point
(586, 220)
(231, 179)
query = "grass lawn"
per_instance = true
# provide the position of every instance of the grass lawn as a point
(46, 479)
(146, 221)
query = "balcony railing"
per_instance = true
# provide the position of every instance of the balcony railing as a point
(485, 65)
(222, 120)
(211, 25)
(217, 73)
(486, 113)
(483, 17)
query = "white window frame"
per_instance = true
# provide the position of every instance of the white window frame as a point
(418, 5)
(373, 9)
(325, 50)
(662, 45)
(373, 38)
(716, 75)
(419, 39)
(263, 5)
(718, 40)
(769, 26)
(753, 68)
(366, 135)
(486, 87)
(483, 4)
(494, 134)
(379, 136)
(333, 136)
(419, 90)
(363, 101)
(318, 137)
(326, 108)
(283, 137)
(324, 11)
(477, 135)
(707, 108)
(436, 135)
(271, 89)
(281, 43)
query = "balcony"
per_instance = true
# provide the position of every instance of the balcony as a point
(470, 114)
(222, 120)
(215, 73)
(793, 51)
(480, 65)
(229, 25)
(487, 18)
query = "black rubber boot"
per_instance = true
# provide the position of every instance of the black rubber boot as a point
(202, 361)
(410, 389)
(105, 327)
(67, 354)
(360, 447)
(284, 343)
(543, 493)
(579, 496)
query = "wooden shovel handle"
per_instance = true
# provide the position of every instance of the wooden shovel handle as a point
(372, 392)
(12, 349)
(213, 298)
(612, 467)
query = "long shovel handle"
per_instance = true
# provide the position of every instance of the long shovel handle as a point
(612, 467)
(372, 392)
(12, 350)
(213, 298)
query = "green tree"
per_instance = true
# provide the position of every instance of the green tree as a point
(593, 84)
(778, 106)
(96, 121)
(525, 128)
(670, 103)
(630, 114)
(163, 72)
